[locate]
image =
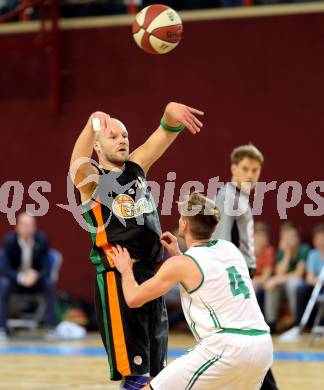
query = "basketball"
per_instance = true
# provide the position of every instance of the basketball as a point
(157, 29)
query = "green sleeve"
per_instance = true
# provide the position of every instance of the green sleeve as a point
(303, 252)
(279, 256)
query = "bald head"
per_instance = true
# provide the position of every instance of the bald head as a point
(116, 126)
(26, 226)
(112, 145)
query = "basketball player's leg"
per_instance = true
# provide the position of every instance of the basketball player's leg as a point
(199, 369)
(159, 332)
(254, 361)
(123, 330)
(222, 363)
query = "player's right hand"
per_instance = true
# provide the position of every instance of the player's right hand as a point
(170, 243)
(122, 259)
(100, 121)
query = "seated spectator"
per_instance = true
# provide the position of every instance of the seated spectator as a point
(289, 273)
(314, 266)
(26, 269)
(265, 259)
(8, 5)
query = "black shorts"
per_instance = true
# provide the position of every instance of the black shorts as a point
(135, 339)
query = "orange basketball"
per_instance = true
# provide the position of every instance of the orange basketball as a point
(157, 29)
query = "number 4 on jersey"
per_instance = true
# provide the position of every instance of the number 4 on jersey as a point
(237, 285)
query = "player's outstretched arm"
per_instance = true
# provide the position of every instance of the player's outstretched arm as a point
(137, 295)
(176, 117)
(83, 174)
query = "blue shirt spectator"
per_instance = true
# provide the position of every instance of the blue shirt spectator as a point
(314, 265)
(315, 262)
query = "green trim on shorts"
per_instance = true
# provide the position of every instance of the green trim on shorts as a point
(201, 271)
(201, 370)
(102, 290)
(247, 332)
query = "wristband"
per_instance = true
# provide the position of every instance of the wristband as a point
(170, 128)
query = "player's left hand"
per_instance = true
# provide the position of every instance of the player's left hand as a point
(170, 243)
(122, 259)
(177, 113)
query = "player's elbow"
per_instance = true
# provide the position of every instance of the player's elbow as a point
(134, 303)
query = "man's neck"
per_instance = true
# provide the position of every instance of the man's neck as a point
(246, 190)
(109, 166)
(190, 241)
(26, 240)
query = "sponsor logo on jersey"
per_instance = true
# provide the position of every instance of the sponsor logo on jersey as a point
(124, 206)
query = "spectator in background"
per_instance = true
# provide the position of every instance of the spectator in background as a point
(289, 273)
(314, 266)
(265, 259)
(26, 269)
(8, 5)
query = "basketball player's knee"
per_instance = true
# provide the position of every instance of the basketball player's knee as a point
(135, 382)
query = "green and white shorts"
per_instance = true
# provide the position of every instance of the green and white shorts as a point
(222, 361)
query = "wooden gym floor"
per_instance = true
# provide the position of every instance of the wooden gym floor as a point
(40, 365)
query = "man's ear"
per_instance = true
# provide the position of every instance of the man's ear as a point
(185, 224)
(96, 147)
(233, 169)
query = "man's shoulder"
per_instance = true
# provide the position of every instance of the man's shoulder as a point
(228, 246)
(10, 238)
(40, 237)
(132, 165)
(221, 193)
(216, 245)
(314, 255)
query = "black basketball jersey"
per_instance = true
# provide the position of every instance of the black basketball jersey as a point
(122, 211)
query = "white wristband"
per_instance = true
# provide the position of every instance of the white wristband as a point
(96, 124)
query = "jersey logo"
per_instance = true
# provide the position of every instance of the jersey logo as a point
(124, 206)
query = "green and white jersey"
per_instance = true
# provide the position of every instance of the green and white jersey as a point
(225, 300)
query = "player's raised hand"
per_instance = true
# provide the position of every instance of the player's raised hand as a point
(100, 122)
(177, 113)
(170, 243)
(122, 259)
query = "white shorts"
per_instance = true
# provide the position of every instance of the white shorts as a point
(222, 361)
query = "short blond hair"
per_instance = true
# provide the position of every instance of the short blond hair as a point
(249, 151)
(202, 214)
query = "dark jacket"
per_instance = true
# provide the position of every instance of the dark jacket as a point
(12, 255)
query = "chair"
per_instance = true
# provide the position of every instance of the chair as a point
(317, 298)
(317, 329)
(34, 303)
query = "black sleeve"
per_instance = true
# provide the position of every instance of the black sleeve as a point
(44, 265)
(8, 256)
